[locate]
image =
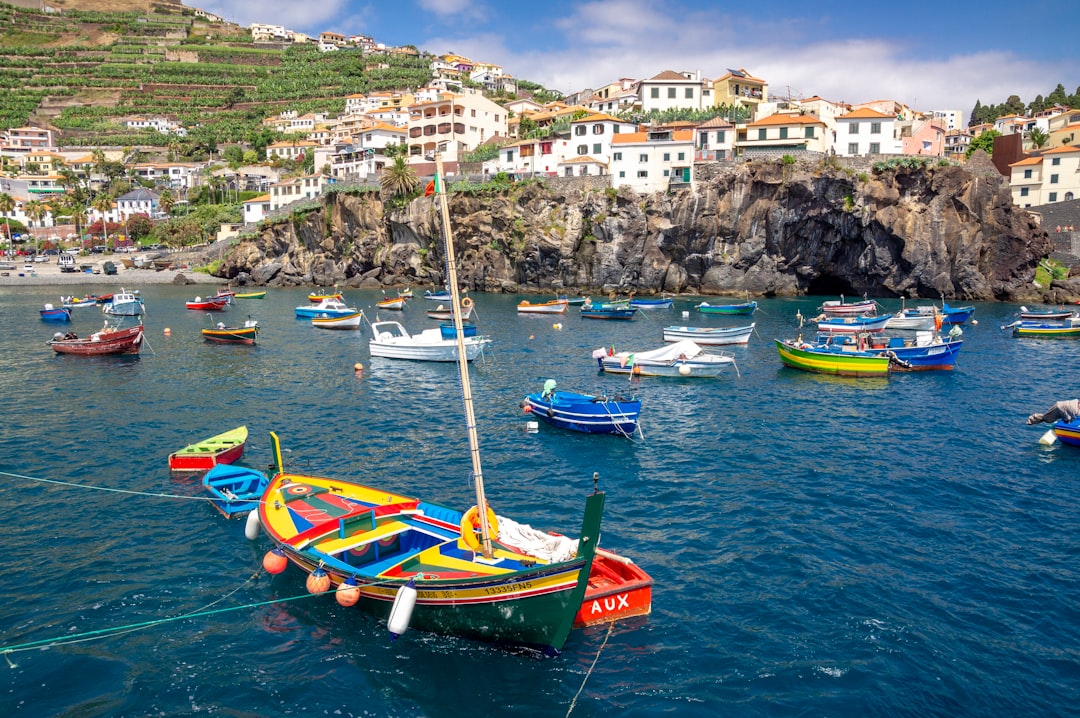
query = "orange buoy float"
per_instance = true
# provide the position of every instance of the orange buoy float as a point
(168, 332)
(318, 581)
(274, 561)
(348, 593)
(470, 526)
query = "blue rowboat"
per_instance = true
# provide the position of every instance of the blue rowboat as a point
(49, 313)
(664, 303)
(955, 315)
(440, 296)
(449, 332)
(325, 308)
(1067, 431)
(597, 312)
(731, 309)
(585, 412)
(852, 324)
(234, 489)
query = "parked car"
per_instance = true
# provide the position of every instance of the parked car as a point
(99, 249)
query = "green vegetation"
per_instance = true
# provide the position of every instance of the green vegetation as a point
(982, 114)
(1049, 270)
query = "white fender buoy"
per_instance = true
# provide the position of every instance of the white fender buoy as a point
(684, 370)
(401, 611)
(251, 528)
(1048, 438)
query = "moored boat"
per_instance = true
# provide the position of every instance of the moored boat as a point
(395, 303)
(710, 336)
(107, 340)
(740, 309)
(51, 313)
(345, 321)
(1065, 419)
(831, 358)
(607, 310)
(843, 308)
(317, 297)
(124, 303)
(852, 324)
(391, 340)
(681, 359)
(437, 296)
(250, 295)
(618, 588)
(659, 303)
(586, 413)
(1066, 329)
(225, 448)
(210, 304)
(926, 352)
(234, 489)
(325, 308)
(446, 313)
(555, 306)
(1047, 314)
(221, 334)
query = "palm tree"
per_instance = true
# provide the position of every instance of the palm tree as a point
(7, 205)
(399, 178)
(103, 204)
(1038, 137)
(79, 217)
(36, 210)
(166, 202)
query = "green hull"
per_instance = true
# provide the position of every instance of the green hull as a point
(836, 363)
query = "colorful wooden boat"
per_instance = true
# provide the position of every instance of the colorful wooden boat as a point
(317, 297)
(75, 302)
(325, 308)
(681, 359)
(852, 324)
(225, 448)
(1067, 431)
(842, 308)
(439, 296)
(828, 358)
(345, 321)
(584, 412)
(234, 489)
(424, 565)
(955, 315)
(124, 303)
(396, 303)
(225, 293)
(221, 334)
(108, 340)
(446, 314)
(744, 308)
(50, 313)
(572, 301)
(1067, 329)
(210, 304)
(250, 295)
(407, 293)
(618, 588)
(710, 336)
(555, 306)
(925, 352)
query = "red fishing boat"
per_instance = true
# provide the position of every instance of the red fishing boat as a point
(618, 588)
(108, 340)
(210, 304)
(221, 449)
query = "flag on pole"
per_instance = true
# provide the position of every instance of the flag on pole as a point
(433, 187)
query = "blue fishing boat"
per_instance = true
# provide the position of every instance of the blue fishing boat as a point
(925, 353)
(50, 313)
(1065, 419)
(607, 310)
(234, 489)
(583, 412)
(448, 331)
(955, 315)
(853, 324)
(324, 309)
(440, 296)
(662, 303)
(124, 304)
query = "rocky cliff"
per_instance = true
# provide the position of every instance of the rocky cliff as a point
(761, 227)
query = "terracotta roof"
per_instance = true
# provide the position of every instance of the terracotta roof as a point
(598, 117)
(776, 120)
(864, 113)
(582, 161)
(260, 198)
(670, 75)
(624, 138)
(1062, 150)
(715, 123)
(1027, 161)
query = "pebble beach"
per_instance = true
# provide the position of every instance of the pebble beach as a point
(48, 273)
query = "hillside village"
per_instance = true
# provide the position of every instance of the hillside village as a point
(648, 135)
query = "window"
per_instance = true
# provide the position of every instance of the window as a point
(875, 148)
(579, 130)
(720, 134)
(597, 148)
(689, 93)
(875, 128)
(1023, 191)
(1053, 197)
(642, 158)
(614, 129)
(1055, 161)
(667, 157)
(1027, 174)
(853, 128)
(643, 173)
(568, 172)
(671, 93)
(783, 133)
(761, 133)
(1053, 179)
(654, 93)
(546, 148)
(810, 133)
(853, 148)
(622, 174)
(583, 149)
(681, 156)
(667, 173)
(617, 156)
(473, 113)
(598, 129)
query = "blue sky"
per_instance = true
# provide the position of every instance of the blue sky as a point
(926, 54)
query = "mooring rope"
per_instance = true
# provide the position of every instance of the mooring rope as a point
(120, 630)
(58, 482)
(611, 627)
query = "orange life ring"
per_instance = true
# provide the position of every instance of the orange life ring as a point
(466, 302)
(470, 527)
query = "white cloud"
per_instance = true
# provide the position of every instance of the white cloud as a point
(309, 18)
(445, 8)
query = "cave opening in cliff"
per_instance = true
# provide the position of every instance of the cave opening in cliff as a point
(827, 284)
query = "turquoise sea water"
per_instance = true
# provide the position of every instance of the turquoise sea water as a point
(820, 546)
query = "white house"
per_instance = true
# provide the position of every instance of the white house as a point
(652, 161)
(256, 208)
(533, 157)
(453, 124)
(715, 139)
(784, 133)
(582, 167)
(1053, 176)
(867, 132)
(674, 90)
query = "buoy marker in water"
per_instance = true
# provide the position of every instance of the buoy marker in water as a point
(275, 561)
(252, 526)
(401, 611)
